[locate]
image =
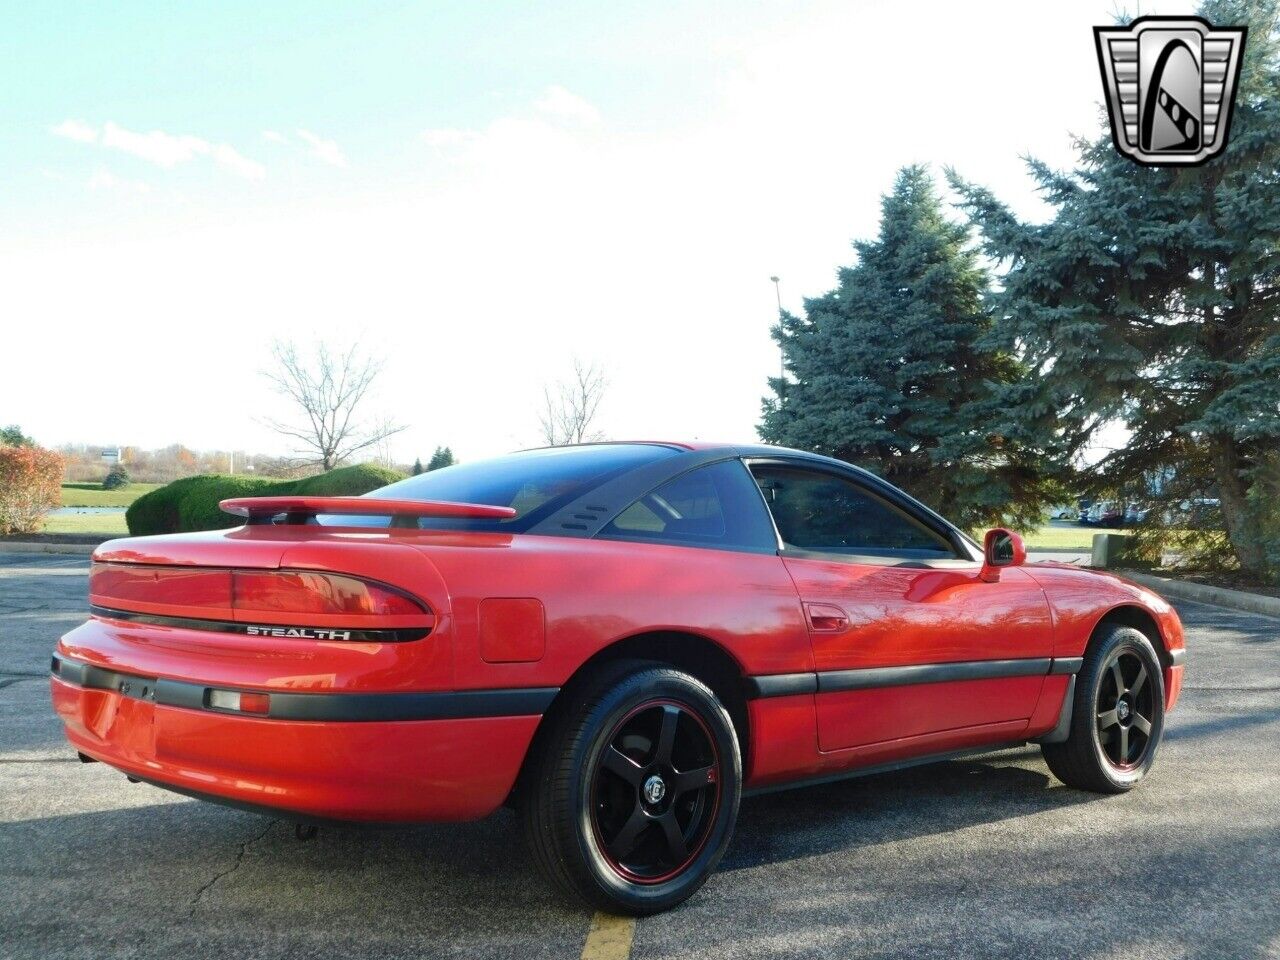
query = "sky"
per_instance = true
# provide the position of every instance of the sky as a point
(477, 193)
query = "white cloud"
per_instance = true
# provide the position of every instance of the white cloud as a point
(75, 130)
(234, 162)
(326, 151)
(165, 150)
(561, 104)
(274, 136)
(103, 179)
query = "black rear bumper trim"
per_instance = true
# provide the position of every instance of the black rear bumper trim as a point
(339, 707)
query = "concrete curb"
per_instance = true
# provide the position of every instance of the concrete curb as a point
(1200, 593)
(82, 549)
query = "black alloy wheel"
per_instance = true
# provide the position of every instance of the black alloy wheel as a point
(1117, 714)
(632, 790)
(1125, 708)
(656, 791)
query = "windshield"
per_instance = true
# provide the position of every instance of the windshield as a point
(535, 483)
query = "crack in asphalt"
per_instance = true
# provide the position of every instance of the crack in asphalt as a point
(244, 848)
(23, 678)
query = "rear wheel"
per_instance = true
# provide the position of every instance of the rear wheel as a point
(1117, 716)
(633, 797)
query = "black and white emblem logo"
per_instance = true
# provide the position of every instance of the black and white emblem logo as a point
(1170, 85)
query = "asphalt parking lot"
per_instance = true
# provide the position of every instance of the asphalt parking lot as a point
(981, 857)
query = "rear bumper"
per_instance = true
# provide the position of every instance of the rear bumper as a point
(453, 766)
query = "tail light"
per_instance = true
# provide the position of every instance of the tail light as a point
(327, 594)
(270, 597)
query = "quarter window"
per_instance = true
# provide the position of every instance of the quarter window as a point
(711, 506)
(825, 513)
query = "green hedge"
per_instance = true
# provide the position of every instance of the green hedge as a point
(345, 481)
(157, 511)
(192, 502)
(198, 508)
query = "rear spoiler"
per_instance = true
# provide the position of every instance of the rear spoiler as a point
(297, 510)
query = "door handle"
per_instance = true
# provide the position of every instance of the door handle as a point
(826, 618)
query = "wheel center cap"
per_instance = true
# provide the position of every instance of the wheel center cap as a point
(1122, 710)
(655, 788)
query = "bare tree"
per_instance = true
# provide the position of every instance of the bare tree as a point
(570, 406)
(327, 386)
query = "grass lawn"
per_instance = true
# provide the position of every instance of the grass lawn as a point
(92, 494)
(105, 524)
(1069, 537)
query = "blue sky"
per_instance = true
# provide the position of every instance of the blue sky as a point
(477, 192)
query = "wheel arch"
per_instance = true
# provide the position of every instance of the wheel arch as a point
(1140, 619)
(693, 653)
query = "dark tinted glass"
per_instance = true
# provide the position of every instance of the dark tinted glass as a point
(822, 512)
(715, 506)
(535, 483)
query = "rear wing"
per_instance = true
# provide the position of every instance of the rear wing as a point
(297, 510)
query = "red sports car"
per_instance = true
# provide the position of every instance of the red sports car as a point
(618, 640)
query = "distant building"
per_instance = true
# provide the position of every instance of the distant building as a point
(112, 455)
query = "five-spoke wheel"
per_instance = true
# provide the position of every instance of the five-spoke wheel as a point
(633, 796)
(1117, 714)
(656, 790)
(1125, 708)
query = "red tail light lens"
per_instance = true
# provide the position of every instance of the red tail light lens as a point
(293, 598)
(317, 593)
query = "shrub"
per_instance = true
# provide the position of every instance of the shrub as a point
(157, 511)
(191, 503)
(117, 478)
(30, 486)
(198, 509)
(346, 481)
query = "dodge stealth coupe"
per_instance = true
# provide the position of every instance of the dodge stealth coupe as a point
(616, 640)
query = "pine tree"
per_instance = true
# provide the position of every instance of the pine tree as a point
(888, 371)
(1153, 297)
(417, 466)
(443, 457)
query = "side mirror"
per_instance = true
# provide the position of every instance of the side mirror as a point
(1001, 548)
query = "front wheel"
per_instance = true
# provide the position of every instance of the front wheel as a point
(633, 798)
(1117, 716)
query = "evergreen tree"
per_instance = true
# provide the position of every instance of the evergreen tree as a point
(887, 370)
(13, 436)
(1153, 297)
(443, 457)
(417, 467)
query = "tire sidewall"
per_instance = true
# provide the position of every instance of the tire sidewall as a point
(628, 694)
(1124, 640)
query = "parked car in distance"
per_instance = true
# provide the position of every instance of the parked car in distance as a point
(1135, 514)
(1063, 512)
(1104, 513)
(617, 640)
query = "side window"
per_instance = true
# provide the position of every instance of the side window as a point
(821, 512)
(712, 506)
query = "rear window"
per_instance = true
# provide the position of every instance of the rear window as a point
(535, 483)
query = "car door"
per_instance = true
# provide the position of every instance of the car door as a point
(908, 642)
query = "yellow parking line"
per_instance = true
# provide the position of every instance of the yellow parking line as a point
(609, 937)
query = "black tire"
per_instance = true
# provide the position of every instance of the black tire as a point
(587, 804)
(1117, 717)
